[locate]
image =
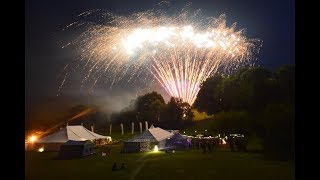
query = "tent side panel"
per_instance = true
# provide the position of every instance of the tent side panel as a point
(162, 144)
(71, 151)
(129, 147)
(47, 146)
(88, 149)
(145, 146)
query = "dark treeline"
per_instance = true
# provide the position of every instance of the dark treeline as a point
(253, 101)
(151, 107)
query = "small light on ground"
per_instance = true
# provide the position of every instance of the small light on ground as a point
(155, 148)
(41, 149)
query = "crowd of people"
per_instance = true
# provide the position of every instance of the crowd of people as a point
(207, 144)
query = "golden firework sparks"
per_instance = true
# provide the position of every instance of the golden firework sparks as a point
(180, 51)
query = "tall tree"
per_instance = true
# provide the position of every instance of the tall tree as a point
(248, 89)
(176, 114)
(286, 80)
(209, 97)
(149, 107)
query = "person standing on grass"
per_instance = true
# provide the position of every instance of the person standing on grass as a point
(213, 143)
(231, 143)
(123, 166)
(198, 143)
(209, 144)
(114, 167)
(203, 146)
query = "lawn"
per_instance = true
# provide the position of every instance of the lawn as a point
(192, 164)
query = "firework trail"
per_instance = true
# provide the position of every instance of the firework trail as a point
(179, 51)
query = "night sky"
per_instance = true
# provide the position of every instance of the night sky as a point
(269, 20)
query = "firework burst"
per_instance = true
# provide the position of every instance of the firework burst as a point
(180, 51)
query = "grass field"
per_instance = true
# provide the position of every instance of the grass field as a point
(187, 165)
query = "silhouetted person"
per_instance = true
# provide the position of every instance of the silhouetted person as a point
(243, 144)
(114, 167)
(209, 145)
(189, 143)
(198, 143)
(231, 143)
(123, 166)
(213, 143)
(237, 143)
(203, 146)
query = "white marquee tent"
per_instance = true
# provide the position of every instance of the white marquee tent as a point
(53, 141)
(148, 138)
(74, 133)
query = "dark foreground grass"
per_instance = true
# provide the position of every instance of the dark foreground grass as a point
(185, 165)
